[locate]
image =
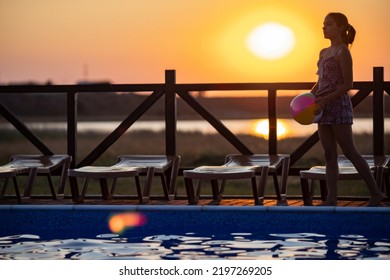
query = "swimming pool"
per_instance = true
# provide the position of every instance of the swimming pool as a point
(195, 232)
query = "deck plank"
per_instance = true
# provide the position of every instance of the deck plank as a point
(177, 202)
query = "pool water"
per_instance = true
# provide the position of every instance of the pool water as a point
(196, 232)
(242, 246)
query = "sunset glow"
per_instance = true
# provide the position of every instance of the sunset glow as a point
(261, 128)
(271, 41)
(204, 41)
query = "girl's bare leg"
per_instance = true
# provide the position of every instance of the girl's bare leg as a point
(344, 136)
(329, 145)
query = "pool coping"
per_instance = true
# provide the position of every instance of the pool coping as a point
(153, 208)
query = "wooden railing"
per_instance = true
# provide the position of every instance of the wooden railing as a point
(169, 90)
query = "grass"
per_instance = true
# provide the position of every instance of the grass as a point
(195, 149)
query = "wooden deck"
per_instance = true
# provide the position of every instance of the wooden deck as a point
(176, 202)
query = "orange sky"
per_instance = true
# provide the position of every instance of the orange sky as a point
(134, 41)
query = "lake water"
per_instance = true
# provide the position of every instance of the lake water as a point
(288, 127)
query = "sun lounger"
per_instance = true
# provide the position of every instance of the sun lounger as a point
(131, 166)
(241, 167)
(103, 173)
(33, 165)
(347, 171)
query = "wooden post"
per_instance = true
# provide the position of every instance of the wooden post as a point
(170, 112)
(72, 126)
(378, 112)
(71, 111)
(272, 123)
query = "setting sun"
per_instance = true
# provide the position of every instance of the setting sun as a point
(271, 41)
(269, 44)
(261, 128)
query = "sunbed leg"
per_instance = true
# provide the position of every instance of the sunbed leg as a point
(148, 182)
(324, 190)
(379, 176)
(217, 195)
(198, 188)
(255, 192)
(307, 200)
(65, 167)
(113, 186)
(53, 193)
(164, 184)
(190, 191)
(31, 177)
(4, 188)
(277, 186)
(76, 198)
(222, 188)
(84, 190)
(104, 188)
(284, 176)
(17, 190)
(142, 199)
(173, 178)
(263, 182)
(17, 193)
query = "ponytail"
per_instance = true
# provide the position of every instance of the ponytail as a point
(349, 35)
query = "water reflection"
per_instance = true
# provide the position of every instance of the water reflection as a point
(286, 127)
(261, 128)
(190, 246)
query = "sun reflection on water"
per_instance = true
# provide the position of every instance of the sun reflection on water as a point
(261, 128)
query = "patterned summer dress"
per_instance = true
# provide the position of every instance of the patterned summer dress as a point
(340, 110)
